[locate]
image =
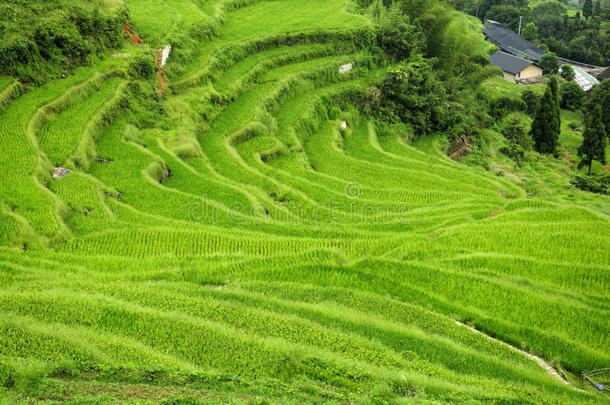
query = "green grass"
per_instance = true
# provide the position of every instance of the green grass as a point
(155, 20)
(249, 248)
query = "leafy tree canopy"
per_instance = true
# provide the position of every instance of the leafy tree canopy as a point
(530, 32)
(571, 95)
(600, 96)
(567, 72)
(549, 63)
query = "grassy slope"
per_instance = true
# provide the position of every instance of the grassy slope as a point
(284, 258)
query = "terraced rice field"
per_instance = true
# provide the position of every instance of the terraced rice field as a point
(249, 247)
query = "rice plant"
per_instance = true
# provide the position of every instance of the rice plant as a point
(261, 238)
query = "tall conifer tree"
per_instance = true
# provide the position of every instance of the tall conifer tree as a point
(594, 140)
(546, 126)
(598, 8)
(554, 85)
(587, 9)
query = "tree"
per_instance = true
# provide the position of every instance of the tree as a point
(597, 11)
(143, 66)
(555, 91)
(554, 86)
(600, 95)
(587, 9)
(377, 11)
(605, 11)
(572, 96)
(594, 140)
(546, 125)
(485, 5)
(549, 63)
(506, 15)
(548, 18)
(567, 72)
(530, 32)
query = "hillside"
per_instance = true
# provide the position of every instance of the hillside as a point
(256, 231)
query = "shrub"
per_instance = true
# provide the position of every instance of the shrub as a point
(531, 101)
(477, 158)
(518, 141)
(591, 184)
(502, 105)
(49, 37)
(57, 40)
(143, 66)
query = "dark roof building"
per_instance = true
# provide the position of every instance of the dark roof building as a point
(509, 63)
(515, 69)
(508, 40)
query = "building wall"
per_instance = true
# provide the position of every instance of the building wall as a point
(530, 71)
(510, 77)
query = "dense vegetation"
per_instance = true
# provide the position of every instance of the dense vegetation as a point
(45, 38)
(282, 222)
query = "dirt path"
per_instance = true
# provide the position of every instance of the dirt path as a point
(549, 369)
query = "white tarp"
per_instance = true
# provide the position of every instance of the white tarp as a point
(345, 68)
(583, 79)
(165, 54)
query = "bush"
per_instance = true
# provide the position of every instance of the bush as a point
(49, 37)
(517, 139)
(142, 67)
(592, 184)
(515, 133)
(477, 158)
(503, 105)
(531, 101)
(59, 42)
(513, 151)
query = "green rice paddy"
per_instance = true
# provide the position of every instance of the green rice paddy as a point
(251, 248)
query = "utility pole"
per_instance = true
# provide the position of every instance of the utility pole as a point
(520, 18)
